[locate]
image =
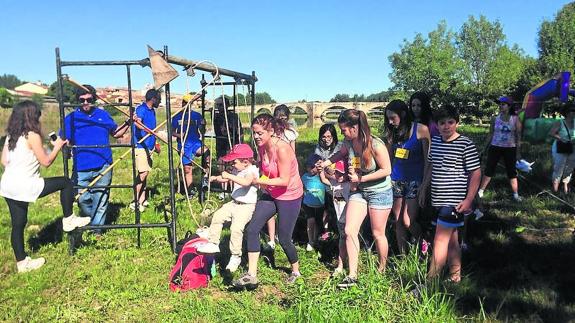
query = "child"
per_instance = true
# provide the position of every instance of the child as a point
(313, 200)
(239, 210)
(454, 174)
(339, 185)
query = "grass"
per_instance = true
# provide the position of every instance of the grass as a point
(510, 274)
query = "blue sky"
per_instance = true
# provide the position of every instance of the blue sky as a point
(308, 50)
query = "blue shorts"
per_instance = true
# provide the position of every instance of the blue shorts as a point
(378, 200)
(190, 152)
(449, 218)
(405, 189)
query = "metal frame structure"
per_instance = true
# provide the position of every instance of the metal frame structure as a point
(170, 223)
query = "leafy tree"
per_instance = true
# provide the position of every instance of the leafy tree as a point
(38, 98)
(557, 42)
(341, 98)
(9, 81)
(6, 99)
(429, 64)
(261, 98)
(69, 92)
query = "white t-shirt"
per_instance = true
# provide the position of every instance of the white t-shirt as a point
(21, 179)
(246, 194)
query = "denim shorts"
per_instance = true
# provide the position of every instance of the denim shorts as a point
(378, 200)
(448, 217)
(405, 189)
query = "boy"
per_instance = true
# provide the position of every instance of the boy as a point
(453, 170)
(239, 210)
(313, 200)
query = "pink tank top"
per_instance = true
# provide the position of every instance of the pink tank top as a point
(269, 168)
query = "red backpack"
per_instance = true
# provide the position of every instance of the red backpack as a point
(192, 270)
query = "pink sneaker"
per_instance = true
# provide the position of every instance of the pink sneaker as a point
(424, 247)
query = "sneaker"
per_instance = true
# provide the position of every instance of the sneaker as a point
(246, 281)
(72, 222)
(478, 214)
(517, 198)
(337, 272)
(209, 248)
(29, 264)
(234, 263)
(480, 193)
(192, 192)
(272, 244)
(293, 277)
(203, 232)
(309, 247)
(424, 246)
(205, 183)
(347, 282)
(141, 207)
(222, 196)
(145, 203)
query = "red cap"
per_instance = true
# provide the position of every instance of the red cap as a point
(340, 166)
(239, 151)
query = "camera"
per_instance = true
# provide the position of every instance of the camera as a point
(53, 136)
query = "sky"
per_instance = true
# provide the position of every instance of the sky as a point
(300, 50)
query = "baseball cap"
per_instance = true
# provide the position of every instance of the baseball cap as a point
(340, 166)
(239, 151)
(505, 99)
(312, 159)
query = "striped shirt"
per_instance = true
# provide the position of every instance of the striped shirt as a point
(451, 164)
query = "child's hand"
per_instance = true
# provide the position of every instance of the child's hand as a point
(213, 178)
(225, 175)
(464, 206)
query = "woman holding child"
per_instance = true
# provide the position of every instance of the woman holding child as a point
(283, 190)
(369, 170)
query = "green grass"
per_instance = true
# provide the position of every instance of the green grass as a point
(508, 275)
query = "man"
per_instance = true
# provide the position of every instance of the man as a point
(188, 126)
(233, 129)
(145, 116)
(92, 125)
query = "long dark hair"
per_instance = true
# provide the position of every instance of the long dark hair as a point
(323, 129)
(400, 133)
(352, 117)
(268, 122)
(25, 117)
(425, 116)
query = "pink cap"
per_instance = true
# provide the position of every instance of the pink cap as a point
(340, 166)
(241, 151)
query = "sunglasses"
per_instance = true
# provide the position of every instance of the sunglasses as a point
(82, 100)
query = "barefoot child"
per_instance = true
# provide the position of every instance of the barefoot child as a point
(239, 210)
(454, 174)
(339, 185)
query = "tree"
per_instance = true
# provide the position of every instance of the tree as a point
(341, 98)
(261, 98)
(6, 99)
(557, 42)
(429, 64)
(9, 81)
(69, 92)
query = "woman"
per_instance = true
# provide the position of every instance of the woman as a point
(503, 141)
(563, 162)
(283, 195)
(420, 108)
(408, 142)
(368, 173)
(21, 183)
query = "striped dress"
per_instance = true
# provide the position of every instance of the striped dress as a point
(451, 162)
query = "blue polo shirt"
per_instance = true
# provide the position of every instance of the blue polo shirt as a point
(93, 128)
(148, 117)
(188, 121)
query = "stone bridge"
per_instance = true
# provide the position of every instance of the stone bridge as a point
(318, 110)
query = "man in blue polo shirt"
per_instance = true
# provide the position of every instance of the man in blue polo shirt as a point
(91, 125)
(188, 126)
(146, 116)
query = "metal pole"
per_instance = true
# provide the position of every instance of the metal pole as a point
(209, 68)
(171, 162)
(133, 153)
(62, 111)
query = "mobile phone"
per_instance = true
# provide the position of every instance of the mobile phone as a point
(53, 136)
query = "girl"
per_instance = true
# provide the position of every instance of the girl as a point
(503, 141)
(563, 162)
(369, 170)
(420, 109)
(21, 183)
(409, 145)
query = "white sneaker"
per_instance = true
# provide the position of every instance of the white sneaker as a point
(309, 247)
(29, 264)
(478, 214)
(141, 207)
(203, 232)
(145, 203)
(72, 222)
(517, 198)
(209, 247)
(234, 263)
(272, 244)
(480, 193)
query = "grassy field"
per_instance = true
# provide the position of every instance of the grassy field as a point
(519, 266)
